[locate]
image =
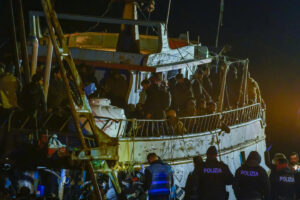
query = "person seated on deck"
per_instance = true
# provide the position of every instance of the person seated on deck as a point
(174, 125)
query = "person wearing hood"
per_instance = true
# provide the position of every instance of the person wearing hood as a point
(282, 181)
(191, 187)
(214, 176)
(251, 180)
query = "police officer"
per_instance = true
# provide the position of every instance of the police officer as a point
(282, 181)
(214, 176)
(158, 178)
(294, 162)
(192, 182)
(251, 180)
(295, 167)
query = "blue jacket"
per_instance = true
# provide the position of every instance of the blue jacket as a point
(159, 179)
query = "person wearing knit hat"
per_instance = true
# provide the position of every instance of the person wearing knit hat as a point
(214, 176)
(251, 180)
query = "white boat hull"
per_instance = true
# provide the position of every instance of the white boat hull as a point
(179, 150)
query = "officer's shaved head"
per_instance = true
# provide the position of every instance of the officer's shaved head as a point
(152, 157)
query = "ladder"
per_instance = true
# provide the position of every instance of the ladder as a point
(106, 147)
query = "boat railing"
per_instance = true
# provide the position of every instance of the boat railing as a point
(188, 125)
(128, 128)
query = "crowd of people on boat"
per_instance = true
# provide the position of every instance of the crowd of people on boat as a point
(208, 180)
(193, 96)
(186, 97)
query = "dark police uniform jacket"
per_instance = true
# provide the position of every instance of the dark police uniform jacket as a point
(297, 179)
(282, 184)
(251, 182)
(214, 176)
(192, 186)
(159, 180)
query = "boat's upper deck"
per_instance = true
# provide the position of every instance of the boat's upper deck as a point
(156, 53)
(149, 44)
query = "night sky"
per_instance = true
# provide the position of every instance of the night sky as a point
(267, 32)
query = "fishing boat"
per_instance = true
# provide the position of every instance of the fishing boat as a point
(236, 131)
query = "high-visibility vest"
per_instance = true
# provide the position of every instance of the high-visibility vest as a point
(161, 179)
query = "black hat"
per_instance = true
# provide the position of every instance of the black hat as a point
(212, 150)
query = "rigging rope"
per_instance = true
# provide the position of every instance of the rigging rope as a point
(220, 23)
(168, 14)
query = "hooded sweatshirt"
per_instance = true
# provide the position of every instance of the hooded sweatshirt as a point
(251, 180)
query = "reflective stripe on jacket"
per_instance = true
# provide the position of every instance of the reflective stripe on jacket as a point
(161, 179)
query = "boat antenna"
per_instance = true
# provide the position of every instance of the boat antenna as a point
(168, 14)
(220, 23)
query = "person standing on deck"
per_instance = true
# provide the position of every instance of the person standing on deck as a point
(254, 95)
(198, 87)
(157, 101)
(182, 93)
(32, 96)
(143, 94)
(117, 88)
